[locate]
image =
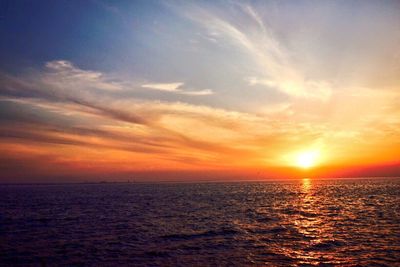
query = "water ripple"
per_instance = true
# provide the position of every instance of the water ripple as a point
(298, 223)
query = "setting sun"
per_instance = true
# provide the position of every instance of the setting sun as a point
(307, 159)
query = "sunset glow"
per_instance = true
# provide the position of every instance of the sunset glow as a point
(199, 90)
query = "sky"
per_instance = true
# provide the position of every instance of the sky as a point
(190, 90)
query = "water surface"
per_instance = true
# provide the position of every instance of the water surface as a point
(296, 223)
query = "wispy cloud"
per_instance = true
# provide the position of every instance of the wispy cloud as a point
(170, 87)
(82, 116)
(43, 113)
(64, 74)
(176, 87)
(200, 92)
(254, 38)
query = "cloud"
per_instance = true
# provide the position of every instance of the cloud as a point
(246, 30)
(176, 87)
(170, 87)
(84, 116)
(310, 88)
(64, 74)
(82, 125)
(200, 92)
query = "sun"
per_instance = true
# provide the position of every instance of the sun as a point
(306, 159)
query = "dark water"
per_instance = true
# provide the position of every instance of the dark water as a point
(300, 223)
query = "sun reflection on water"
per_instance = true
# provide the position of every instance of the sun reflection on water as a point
(306, 184)
(311, 225)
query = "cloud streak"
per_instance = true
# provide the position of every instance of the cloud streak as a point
(44, 114)
(176, 87)
(253, 37)
(82, 116)
(169, 87)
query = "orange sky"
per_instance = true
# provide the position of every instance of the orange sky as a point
(203, 91)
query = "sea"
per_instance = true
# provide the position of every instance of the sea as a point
(306, 222)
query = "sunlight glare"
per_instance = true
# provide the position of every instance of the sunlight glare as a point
(307, 159)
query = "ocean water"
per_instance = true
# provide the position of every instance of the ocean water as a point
(295, 223)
